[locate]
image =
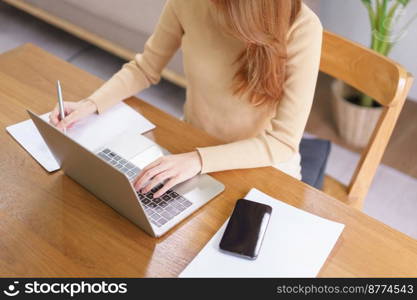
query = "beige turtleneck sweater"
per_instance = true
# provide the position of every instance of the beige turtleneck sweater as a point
(253, 136)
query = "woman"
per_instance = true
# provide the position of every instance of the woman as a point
(251, 68)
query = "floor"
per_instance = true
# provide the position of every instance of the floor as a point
(393, 195)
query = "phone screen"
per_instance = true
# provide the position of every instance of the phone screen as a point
(246, 229)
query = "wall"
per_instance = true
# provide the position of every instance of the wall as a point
(350, 19)
(314, 5)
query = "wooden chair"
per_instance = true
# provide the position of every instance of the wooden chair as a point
(380, 78)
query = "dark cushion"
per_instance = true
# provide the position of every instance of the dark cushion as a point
(314, 154)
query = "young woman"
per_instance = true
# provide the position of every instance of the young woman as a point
(251, 68)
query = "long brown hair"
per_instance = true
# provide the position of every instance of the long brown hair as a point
(263, 26)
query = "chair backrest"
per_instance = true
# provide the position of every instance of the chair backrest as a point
(378, 77)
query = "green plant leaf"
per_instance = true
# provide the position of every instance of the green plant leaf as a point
(381, 16)
(393, 10)
(371, 12)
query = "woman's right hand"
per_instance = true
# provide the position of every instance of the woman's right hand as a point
(74, 111)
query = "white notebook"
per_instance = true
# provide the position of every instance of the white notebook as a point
(92, 132)
(296, 244)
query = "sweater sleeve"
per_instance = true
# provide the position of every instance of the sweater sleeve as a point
(146, 67)
(279, 143)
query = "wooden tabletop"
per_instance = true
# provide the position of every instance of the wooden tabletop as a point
(51, 226)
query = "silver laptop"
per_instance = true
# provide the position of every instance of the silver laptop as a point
(109, 172)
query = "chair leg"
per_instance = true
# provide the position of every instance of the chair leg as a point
(339, 191)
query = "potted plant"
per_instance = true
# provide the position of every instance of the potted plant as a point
(356, 114)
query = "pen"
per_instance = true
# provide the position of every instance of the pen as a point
(60, 101)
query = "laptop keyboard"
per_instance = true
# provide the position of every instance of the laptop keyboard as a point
(162, 209)
(123, 165)
(159, 210)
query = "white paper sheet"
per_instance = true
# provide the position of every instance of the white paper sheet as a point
(91, 132)
(296, 244)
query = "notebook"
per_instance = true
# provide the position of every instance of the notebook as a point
(91, 132)
(296, 244)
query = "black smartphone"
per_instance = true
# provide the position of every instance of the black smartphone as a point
(246, 229)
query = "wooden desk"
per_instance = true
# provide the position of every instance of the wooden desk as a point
(51, 226)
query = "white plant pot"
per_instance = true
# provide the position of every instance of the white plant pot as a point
(355, 124)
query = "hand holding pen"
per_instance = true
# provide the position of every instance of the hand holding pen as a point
(65, 114)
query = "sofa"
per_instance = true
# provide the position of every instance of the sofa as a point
(120, 27)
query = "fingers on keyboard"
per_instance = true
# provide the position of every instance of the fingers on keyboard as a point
(159, 210)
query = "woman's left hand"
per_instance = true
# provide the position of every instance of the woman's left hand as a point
(173, 168)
